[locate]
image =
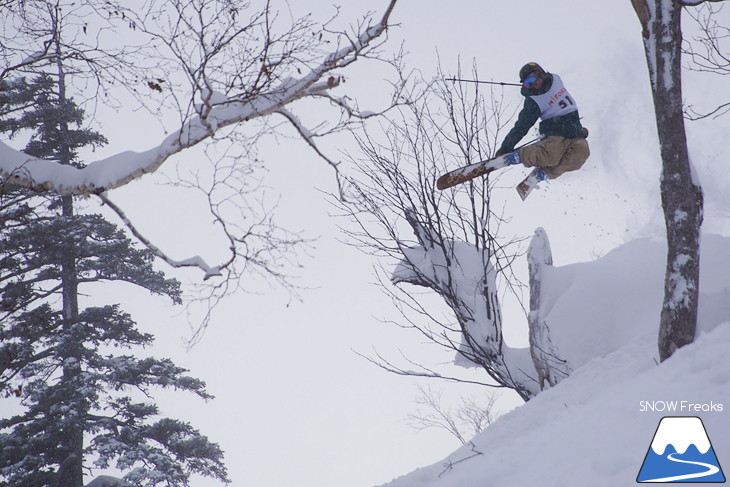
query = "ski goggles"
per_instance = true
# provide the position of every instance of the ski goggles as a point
(530, 80)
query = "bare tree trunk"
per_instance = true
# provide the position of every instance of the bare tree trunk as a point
(548, 364)
(682, 198)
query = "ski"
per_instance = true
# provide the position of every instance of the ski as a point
(472, 171)
(530, 182)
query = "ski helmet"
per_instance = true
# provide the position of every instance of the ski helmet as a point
(530, 68)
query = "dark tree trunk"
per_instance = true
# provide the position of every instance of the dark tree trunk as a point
(681, 194)
(71, 469)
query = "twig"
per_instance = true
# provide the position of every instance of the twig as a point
(448, 466)
(190, 262)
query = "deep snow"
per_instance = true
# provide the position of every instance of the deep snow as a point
(595, 427)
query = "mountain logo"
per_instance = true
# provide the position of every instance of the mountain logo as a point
(681, 452)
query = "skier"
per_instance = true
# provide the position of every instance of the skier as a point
(563, 147)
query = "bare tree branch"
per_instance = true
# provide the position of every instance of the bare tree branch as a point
(463, 421)
(708, 50)
(190, 262)
(421, 370)
(228, 109)
(691, 114)
(221, 74)
(694, 3)
(447, 242)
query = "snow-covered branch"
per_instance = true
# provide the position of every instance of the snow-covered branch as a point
(118, 170)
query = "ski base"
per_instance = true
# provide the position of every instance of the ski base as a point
(529, 183)
(481, 168)
(472, 171)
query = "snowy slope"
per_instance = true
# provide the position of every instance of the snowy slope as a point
(595, 308)
(594, 428)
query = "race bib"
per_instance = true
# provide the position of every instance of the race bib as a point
(557, 101)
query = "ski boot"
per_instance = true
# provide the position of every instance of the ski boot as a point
(513, 158)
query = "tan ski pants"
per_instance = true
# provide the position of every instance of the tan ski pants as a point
(556, 155)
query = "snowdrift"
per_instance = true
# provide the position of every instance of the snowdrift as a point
(597, 307)
(595, 427)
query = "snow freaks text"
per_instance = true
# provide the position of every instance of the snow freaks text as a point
(680, 407)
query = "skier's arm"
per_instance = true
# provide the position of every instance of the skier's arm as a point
(529, 114)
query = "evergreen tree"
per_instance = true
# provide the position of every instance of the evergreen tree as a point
(63, 360)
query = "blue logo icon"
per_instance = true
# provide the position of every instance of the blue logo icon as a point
(681, 452)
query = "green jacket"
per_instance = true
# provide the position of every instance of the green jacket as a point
(565, 125)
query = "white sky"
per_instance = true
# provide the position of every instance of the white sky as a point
(294, 404)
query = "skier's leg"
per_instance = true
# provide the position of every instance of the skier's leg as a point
(575, 155)
(546, 153)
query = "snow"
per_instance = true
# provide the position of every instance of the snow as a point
(544, 443)
(595, 427)
(213, 97)
(108, 481)
(592, 309)
(689, 430)
(464, 275)
(35, 57)
(469, 278)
